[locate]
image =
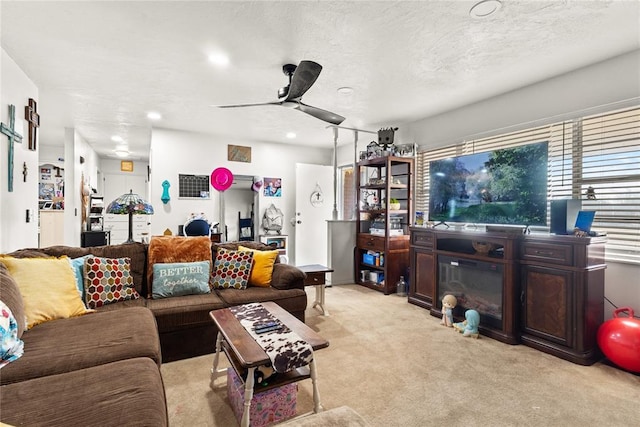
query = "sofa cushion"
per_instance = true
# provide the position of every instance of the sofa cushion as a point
(108, 280)
(137, 252)
(262, 268)
(10, 295)
(180, 278)
(172, 249)
(77, 264)
(292, 300)
(11, 347)
(231, 269)
(287, 276)
(47, 286)
(79, 342)
(185, 311)
(122, 393)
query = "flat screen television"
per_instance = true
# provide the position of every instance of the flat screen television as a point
(504, 186)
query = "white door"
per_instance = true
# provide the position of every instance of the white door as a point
(314, 183)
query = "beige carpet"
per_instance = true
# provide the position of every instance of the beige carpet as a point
(396, 365)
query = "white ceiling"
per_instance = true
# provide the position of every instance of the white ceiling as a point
(101, 66)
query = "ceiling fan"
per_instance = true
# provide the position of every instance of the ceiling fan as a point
(301, 78)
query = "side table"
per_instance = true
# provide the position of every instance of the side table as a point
(316, 276)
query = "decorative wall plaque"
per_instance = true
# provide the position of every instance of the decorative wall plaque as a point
(238, 153)
(126, 166)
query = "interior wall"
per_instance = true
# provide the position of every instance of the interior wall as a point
(76, 147)
(597, 88)
(15, 232)
(175, 152)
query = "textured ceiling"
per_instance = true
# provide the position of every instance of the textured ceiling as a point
(101, 66)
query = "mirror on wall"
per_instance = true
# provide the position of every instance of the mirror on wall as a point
(239, 209)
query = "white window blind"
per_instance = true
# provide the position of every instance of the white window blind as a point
(609, 163)
(600, 151)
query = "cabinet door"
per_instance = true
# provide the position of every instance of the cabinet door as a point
(547, 303)
(423, 277)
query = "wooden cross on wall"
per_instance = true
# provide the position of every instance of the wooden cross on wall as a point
(13, 137)
(33, 118)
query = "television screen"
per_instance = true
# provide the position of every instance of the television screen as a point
(505, 186)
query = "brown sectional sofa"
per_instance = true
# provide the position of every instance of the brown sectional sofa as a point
(76, 370)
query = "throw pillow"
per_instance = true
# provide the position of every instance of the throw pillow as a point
(10, 294)
(108, 280)
(232, 269)
(77, 264)
(48, 288)
(172, 249)
(11, 347)
(183, 278)
(262, 269)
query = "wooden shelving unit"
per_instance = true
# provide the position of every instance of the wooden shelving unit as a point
(382, 241)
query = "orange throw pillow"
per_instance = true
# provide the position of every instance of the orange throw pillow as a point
(173, 249)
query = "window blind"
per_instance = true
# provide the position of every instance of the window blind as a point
(599, 153)
(610, 166)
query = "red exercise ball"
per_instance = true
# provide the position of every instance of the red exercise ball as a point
(619, 340)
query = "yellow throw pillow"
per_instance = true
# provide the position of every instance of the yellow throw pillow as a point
(47, 286)
(262, 268)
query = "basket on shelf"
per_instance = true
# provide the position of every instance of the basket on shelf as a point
(483, 248)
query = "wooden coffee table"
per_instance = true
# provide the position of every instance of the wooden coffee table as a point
(245, 354)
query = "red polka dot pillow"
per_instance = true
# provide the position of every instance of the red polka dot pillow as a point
(108, 280)
(231, 269)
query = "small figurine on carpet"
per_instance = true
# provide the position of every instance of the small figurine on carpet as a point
(469, 327)
(448, 304)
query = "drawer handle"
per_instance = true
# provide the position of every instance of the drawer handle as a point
(315, 279)
(546, 253)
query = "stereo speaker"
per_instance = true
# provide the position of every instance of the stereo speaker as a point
(563, 215)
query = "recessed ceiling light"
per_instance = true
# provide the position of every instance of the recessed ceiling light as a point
(121, 153)
(117, 138)
(485, 8)
(220, 59)
(345, 90)
(152, 115)
(291, 135)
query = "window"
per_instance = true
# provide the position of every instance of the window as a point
(608, 166)
(597, 155)
(346, 192)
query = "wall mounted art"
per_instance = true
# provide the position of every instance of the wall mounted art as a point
(272, 187)
(238, 153)
(126, 166)
(165, 192)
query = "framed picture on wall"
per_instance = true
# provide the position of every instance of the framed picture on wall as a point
(272, 187)
(238, 153)
(126, 166)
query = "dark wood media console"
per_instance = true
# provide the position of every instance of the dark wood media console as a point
(544, 291)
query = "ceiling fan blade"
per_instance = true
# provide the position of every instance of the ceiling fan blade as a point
(321, 114)
(303, 78)
(248, 105)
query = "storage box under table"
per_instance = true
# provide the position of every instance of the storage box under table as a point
(267, 407)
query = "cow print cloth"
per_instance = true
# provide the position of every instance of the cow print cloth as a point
(284, 347)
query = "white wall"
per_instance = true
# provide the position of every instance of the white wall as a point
(175, 152)
(588, 90)
(75, 147)
(16, 88)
